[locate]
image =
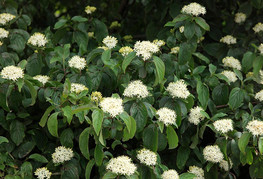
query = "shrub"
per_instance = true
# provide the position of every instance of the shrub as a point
(137, 89)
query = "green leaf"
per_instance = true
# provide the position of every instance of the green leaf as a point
(17, 132)
(139, 113)
(203, 94)
(3, 140)
(185, 52)
(247, 61)
(160, 69)
(189, 30)
(32, 90)
(172, 137)
(182, 156)
(89, 168)
(150, 137)
(179, 18)
(101, 30)
(187, 176)
(60, 23)
(43, 120)
(109, 175)
(105, 57)
(127, 60)
(256, 169)
(202, 23)
(84, 143)
(98, 154)
(126, 118)
(220, 94)
(84, 108)
(66, 138)
(52, 124)
(260, 145)
(236, 98)
(257, 65)
(79, 19)
(67, 111)
(199, 70)
(38, 158)
(97, 119)
(201, 57)
(129, 134)
(243, 141)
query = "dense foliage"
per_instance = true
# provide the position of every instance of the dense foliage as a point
(131, 89)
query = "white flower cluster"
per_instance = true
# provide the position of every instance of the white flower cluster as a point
(37, 39)
(181, 29)
(255, 127)
(90, 9)
(199, 172)
(96, 96)
(224, 165)
(3, 33)
(121, 165)
(170, 174)
(259, 96)
(136, 89)
(43, 173)
(175, 50)
(212, 153)
(6, 17)
(260, 48)
(258, 27)
(231, 62)
(110, 41)
(194, 9)
(124, 51)
(240, 17)
(77, 88)
(228, 39)
(62, 154)
(178, 89)
(12, 73)
(167, 116)
(77, 62)
(231, 76)
(159, 43)
(42, 78)
(145, 49)
(195, 116)
(111, 105)
(223, 125)
(147, 157)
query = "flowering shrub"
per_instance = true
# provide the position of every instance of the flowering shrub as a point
(131, 89)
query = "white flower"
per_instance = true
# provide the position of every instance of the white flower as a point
(159, 43)
(255, 127)
(178, 89)
(125, 50)
(62, 154)
(77, 88)
(231, 62)
(77, 62)
(240, 17)
(90, 9)
(258, 27)
(170, 174)
(12, 73)
(175, 50)
(96, 96)
(231, 76)
(121, 165)
(195, 116)
(181, 29)
(260, 48)
(145, 49)
(259, 96)
(136, 89)
(42, 78)
(228, 39)
(111, 105)
(110, 41)
(37, 39)
(5, 18)
(199, 172)
(212, 153)
(167, 116)
(194, 9)
(224, 165)
(223, 125)
(43, 173)
(147, 157)
(3, 33)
